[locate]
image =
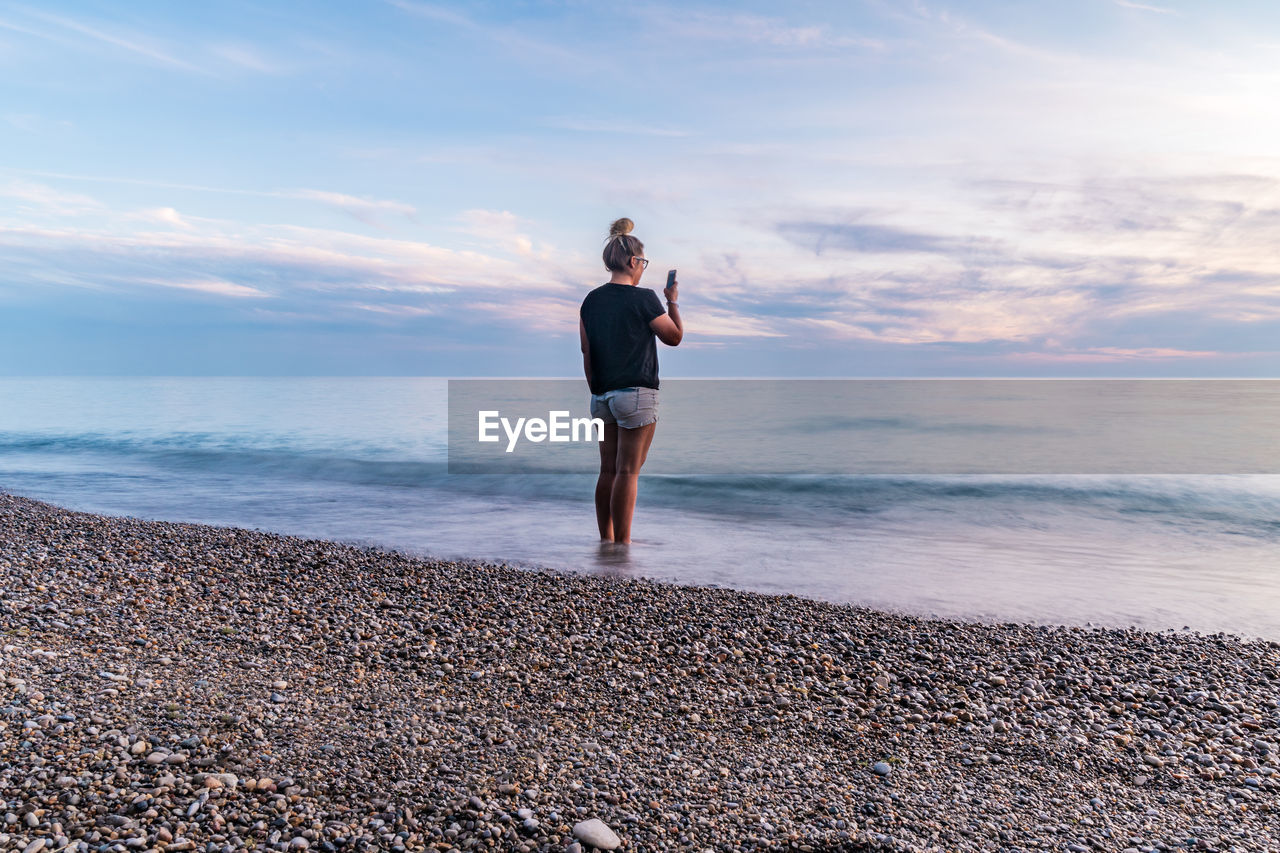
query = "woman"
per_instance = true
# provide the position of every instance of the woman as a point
(617, 323)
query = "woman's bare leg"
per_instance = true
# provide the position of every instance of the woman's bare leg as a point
(633, 448)
(604, 485)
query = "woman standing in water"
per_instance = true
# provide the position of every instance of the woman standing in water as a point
(618, 323)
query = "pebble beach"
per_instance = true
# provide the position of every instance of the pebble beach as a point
(171, 686)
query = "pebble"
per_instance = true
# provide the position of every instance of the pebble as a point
(596, 833)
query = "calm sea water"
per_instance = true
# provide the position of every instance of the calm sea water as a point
(363, 460)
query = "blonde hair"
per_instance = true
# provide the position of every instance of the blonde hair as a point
(621, 246)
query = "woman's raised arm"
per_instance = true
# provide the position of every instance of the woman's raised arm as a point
(668, 327)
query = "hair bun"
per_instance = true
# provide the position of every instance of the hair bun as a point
(621, 227)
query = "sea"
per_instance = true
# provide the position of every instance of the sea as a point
(365, 460)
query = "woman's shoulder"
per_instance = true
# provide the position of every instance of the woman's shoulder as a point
(594, 293)
(649, 296)
(642, 294)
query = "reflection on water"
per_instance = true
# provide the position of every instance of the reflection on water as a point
(613, 559)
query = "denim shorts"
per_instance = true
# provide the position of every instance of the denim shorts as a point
(629, 408)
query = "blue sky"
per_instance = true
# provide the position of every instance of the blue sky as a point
(848, 188)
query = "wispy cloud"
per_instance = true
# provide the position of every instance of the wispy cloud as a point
(320, 274)
(710, 27)
(215, 287)
(184, 54)
(51, 200)
(247, 57)
(333, 272)
(1110, 355)
(393, 309)
(628, 128)
(555, 315)
(518, 42)
(166, 216)
(27, 30)
(950, 26)
(131, 42)
(504, 229)
(35, 123)
(1050, 259)
(719, 323)
(853, 237)
(364, 209)
(1129, 4)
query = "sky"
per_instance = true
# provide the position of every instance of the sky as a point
(854, 188)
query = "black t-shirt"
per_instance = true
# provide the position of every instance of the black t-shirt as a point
(622, 346)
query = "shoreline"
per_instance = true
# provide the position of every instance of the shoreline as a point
(155, 672)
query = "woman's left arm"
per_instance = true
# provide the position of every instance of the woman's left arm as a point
(586, 349)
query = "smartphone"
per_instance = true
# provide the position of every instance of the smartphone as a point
(671, 278)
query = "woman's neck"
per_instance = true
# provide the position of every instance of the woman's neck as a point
(616, 280)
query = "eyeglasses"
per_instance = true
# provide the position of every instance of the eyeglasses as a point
(644, 261)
